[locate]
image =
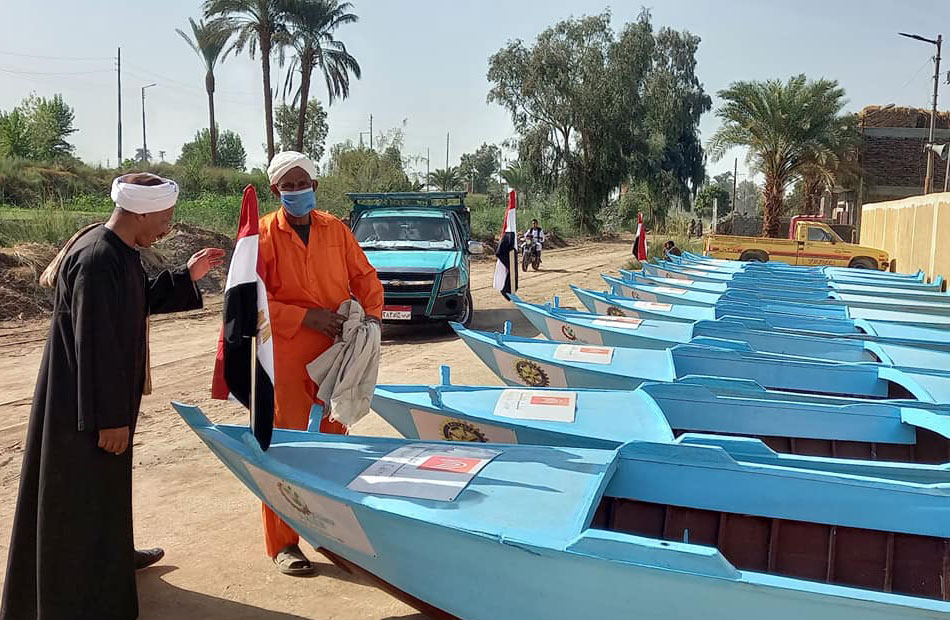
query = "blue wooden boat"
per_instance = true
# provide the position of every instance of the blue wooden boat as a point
(770, 318)
(834, 305)
(782, 288)
(566, 533)
(543, 363)
(837, 430)
(585, 327)
(699, 261)
(666, 269)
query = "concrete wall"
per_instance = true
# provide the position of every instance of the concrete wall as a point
(915, 231)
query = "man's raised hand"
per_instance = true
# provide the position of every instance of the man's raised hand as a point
(204, 261)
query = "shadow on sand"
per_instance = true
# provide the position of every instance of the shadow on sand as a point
(158, 599)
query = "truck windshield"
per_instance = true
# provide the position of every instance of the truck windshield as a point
(401, 233)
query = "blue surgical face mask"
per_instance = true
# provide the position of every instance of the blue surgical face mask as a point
(299, 203)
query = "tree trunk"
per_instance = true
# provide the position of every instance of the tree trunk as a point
(268, 96)
(212, 129)
(306, 69)
(812, 197)
(772, 209)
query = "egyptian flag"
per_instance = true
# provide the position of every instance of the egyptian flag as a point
(507, 252)
(247, 328)
(640, 241)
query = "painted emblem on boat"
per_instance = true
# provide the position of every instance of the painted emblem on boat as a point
(532, 374)
(614, 311)
(460, 430)
(568, 332)
(290, 494)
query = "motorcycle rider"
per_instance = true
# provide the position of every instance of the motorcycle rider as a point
(536, 235)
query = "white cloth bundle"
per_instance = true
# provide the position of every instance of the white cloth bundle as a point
(144, 199)
(347, 371)
(285, 161)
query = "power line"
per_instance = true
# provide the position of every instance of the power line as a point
(78, 58)
(55, 73)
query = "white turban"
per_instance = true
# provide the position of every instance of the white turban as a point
(285, 161)
(144, 199)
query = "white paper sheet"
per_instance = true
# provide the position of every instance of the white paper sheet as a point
(653, 306)
(537, 405)
(619, 322)
(584, 353)
(423, 471)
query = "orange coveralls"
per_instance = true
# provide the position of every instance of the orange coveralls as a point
(322, 274)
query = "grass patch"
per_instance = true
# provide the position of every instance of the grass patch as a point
(56, 221)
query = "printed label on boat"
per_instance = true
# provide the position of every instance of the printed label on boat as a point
(424, 471)
(529, 372)
(653, 306)
(560, 330)
(327, 517)
(620, 322)
(537, 405)
(443, 428)
(586, 354)
(669, 290)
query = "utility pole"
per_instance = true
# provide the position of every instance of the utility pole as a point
(371, 132)
(162, 155)
(145, 157)
(427, 169)
(929, 179)
(118, 74)
(735, 177)
(446, 150)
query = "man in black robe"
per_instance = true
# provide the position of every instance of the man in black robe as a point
(71, 553)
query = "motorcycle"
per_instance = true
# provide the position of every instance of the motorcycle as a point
(530, 255)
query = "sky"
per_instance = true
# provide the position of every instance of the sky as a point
(425, 62)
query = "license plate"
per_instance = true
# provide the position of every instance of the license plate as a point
(397, 313)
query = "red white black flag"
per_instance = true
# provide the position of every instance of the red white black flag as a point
(247, 328)
(507, 252)
(640, 241)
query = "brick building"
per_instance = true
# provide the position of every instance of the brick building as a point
(892, 151)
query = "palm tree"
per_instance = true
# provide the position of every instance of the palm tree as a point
(833, 167)
(210, 39)
(446, 179)
(257, 25)
(787, 127)
(311, 25)
(518, 177)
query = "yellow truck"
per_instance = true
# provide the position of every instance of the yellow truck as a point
(809, 242)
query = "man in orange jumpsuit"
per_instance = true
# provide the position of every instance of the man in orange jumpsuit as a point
(311, 264)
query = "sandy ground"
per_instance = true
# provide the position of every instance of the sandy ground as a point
(187, 502)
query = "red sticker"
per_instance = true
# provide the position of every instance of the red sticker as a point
(455, 464)
(553, 401)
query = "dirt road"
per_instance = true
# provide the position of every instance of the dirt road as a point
(188, 503)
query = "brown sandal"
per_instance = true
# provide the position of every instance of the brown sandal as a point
(291, 561)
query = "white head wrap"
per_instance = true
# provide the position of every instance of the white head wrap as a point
(285, 161)
(144, 199)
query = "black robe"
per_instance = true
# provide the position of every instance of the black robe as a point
(71, 551)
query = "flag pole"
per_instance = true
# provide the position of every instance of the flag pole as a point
(253, 403)
(512, 253)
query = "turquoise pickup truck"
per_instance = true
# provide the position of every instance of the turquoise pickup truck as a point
(420, 244)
